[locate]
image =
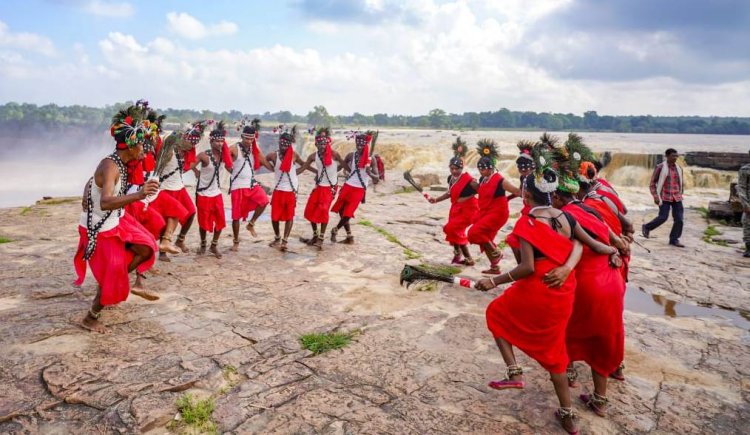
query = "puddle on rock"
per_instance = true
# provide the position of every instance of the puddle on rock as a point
(640, 301)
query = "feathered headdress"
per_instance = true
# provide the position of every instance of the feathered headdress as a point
(549, 141)
(219, 132)
(194, 132)
(545, 175)
(288, 135)
(525, 159)
(568, 159)
(247, 127)
(127, 127)
(487, 149)
(459, 152)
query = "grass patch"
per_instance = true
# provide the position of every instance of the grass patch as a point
(409, 253)
(710, 232)
(57, 201)
(5, 240)
(321, 343)
(26, 210)
(703, 212)
(196, 414)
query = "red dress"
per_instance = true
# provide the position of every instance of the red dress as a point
(149, 217)
(595, 332)
(493, 212)
(461, 213)
(530, 315)
(613, 221)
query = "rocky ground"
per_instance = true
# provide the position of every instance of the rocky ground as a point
(229, 329)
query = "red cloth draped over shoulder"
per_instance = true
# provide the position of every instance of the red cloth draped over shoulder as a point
(516, 315)
(461, 214)
(614, 198)
(493, 212)
(595, 332)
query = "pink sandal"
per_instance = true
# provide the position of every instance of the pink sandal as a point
(507, 383)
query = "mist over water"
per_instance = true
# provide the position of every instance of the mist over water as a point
(37, 163)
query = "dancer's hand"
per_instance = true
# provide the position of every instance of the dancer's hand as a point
(484, 284)
(557, 276)
(432, 200)
(615, 261)
(151, 187)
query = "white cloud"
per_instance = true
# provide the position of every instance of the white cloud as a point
(26, 41)
(459, 56)
(187, 26)
(112, 9)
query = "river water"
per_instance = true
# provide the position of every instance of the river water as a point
(32, 175)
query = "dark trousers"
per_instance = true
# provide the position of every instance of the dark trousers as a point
(677, 215)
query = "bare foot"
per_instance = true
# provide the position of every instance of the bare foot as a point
(94, 325)
(319, 243)
(215, 250)
(275, 243)
(111, 307)
(144, 294)
(235, 247)
(283, 247)
(310, 241)
(181, 244)
(251, 227)
(349, 240)
(163, 257)
(166, 246)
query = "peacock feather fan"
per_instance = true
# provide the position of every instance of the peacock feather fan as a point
(488, 148)
(548, 140)
(459, 148)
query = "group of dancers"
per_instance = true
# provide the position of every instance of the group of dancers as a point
(571, 243)
(137, 196)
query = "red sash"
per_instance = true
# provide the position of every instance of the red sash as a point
(458, 187)
(610, 218)
(614, 198)
(542, 237)
(589, 222)
(487, 191)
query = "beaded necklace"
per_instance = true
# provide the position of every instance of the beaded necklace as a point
(92, 231)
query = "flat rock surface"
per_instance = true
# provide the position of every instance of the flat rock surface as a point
(420, 363)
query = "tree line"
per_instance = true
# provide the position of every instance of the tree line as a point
(15, 117)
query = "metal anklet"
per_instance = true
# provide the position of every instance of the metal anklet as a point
(94, 315)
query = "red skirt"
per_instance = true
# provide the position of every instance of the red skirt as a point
(211, 217)
(488, 223)
(111, 259)
(283, 204)
(183, 197)
(460, 217)
(318, 204)
(149, 217)
(595, 332)
(247, 200)
(348, 200)
(169, 207)
(534, 317)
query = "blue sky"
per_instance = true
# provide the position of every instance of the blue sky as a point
(676, 57)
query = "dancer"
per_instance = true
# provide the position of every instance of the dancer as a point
(111, 241)
(595, 332)
(493, 205)
(360, 170)
(287, 165)
(327, 163)
(546, 242)
(462, 190)
(247, 194)
(209, 200)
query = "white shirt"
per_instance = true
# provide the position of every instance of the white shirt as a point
(242, 171)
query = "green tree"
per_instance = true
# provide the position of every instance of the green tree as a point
(438, 118)
(319, 116)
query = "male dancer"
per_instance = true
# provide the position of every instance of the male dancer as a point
(112, 242)
(360, 169)
(287, 165)
(328, 162)
(247, 194)
(209, 200)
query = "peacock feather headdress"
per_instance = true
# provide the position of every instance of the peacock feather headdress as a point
(488, 154)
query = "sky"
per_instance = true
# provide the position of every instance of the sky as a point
(618, 57)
